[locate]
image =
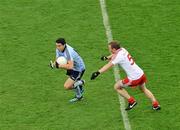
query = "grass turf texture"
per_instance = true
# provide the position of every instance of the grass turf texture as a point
(32, 96)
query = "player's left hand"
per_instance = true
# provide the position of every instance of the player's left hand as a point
(103, 58)
(94, 75)
(51, 64)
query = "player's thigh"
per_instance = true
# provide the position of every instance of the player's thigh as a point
(142, 87)
(118, 85)
(69, 83)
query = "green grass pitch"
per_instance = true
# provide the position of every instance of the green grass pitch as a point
(32, 96)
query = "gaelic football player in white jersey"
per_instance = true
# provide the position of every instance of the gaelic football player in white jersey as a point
(135, 75)
(75, 68)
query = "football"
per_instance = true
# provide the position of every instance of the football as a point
(61, 60)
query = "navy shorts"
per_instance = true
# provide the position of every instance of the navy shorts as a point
(75, 75)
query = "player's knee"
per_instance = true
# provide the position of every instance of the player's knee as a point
(66, 86)
(117, 86)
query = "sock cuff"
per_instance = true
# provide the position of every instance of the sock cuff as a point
(78, 83)
(155, 103)
(131, 100)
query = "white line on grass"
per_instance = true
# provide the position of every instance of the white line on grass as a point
(116, 69)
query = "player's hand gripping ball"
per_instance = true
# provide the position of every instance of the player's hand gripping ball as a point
(61, 61)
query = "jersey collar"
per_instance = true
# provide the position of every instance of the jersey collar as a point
(64, 48)
(118, 50)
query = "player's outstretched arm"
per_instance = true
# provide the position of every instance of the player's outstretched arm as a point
(102, 70)
(106, 67)
(109, 57)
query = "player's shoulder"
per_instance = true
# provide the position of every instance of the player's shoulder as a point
(122, 51)
(69, 48)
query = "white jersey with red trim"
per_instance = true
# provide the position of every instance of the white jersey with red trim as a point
(124, 59)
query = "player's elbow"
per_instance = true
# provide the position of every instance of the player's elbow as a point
(70, 65)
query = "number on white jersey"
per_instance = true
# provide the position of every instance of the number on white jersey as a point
(130, 59)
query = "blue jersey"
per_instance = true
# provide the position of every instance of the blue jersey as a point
(70, 54)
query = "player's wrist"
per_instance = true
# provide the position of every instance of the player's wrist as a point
(103, 58)
(98, 72)
(94, 75)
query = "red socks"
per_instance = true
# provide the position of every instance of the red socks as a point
(131, 100)
(155, 103)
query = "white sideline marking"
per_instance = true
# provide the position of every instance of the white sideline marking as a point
(116, 69)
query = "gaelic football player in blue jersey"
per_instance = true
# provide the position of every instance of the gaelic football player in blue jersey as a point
(75, 68)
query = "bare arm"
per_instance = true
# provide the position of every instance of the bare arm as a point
(106, 67)
(103, 69)
(68, 66)
(109, 57)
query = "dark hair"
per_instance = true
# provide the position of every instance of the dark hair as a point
(61, 40)
(115, 45)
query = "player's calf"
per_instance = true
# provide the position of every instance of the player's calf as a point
(80, 83)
